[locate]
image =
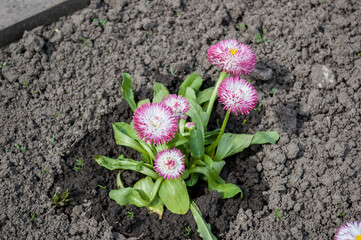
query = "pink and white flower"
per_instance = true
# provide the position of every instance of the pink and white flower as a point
(169, 164)
(190, 125)
(154, 122)
(233, 57)
(350, 231)
(178, 104)
(238, 95)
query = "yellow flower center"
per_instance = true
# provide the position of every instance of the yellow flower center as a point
(358, 237)
(155, 121)
(234, 51)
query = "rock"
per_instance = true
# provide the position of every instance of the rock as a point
(292, 150)
(33, 42)
(323, 77)
(262, 72)
(115, 14)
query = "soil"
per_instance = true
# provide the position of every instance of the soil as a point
(60, 92)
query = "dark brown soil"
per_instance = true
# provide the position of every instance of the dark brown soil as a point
(60, 92)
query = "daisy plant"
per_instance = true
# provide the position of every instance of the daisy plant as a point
(176, 147)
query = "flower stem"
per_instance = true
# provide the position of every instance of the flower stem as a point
(221, 77)
(212, 147)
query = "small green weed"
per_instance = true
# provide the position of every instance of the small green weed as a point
(342, 214)
(146, 34)
(277, 213)
(102, 23)
(241, 26)
(359, 54)
(79, 165)
(25, 83)
(61, 199)
(272, 91)
(259, 38)
(36, 91)
(101, 186)
(130, 215)
(3, 65)
(244, 122)
(52, 139)
(171, 70)
(46, 171)
(32, 216)
(23, 149)
(175, 14)
(58, 114)
(188, 231)
(258, 108)
(84, 41)
(324, 1)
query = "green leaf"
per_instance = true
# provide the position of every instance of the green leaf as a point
(231, 144)
(139, 166)
(228, 190)
(210, 176)
(145, 187)
(126, 129)
(193, 81)
(215, 182)
(204, 229)
(196, 143)
(127, 196)
(145, 158)
(193, 180)
(127, 91)
(177, 140)
(208, 161)
(210, 137)
(175, 196)
(217, 166)
(160, 92)
(190, 93)
(126, 136)
(126, 164)
(265, 137)
(205, 95)
(141, 102)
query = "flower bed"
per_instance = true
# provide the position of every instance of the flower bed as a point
(60, 90)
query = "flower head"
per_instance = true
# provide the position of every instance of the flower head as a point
(238, 95)
(350, 231)
(190, 125)
(155, 122)
(169, 164)
(233, 57)
(178, 104)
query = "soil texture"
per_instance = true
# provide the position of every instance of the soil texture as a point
(60, 92)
